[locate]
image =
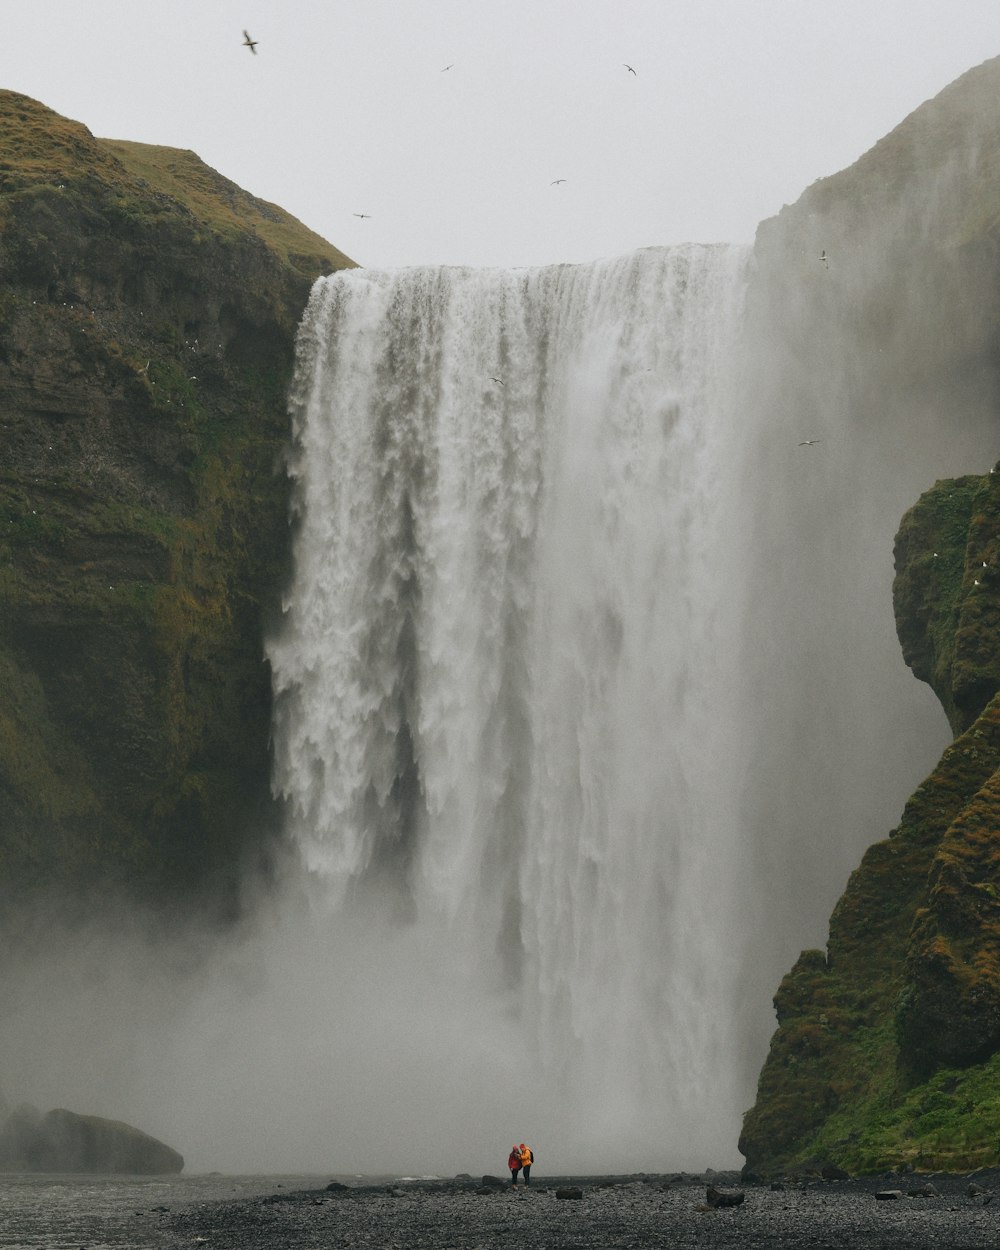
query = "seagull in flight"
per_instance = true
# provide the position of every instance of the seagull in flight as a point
(556, 181)
(250, 43)
(629, 68)
(499, 381)
(810, 442)
(825, 259)
(447, 67)
(362, 214)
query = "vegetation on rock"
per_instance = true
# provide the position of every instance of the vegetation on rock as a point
(887, 1052)
(148, 308)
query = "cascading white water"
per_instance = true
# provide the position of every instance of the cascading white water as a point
(503, 657)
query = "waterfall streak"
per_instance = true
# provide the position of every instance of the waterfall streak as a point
(503, 656)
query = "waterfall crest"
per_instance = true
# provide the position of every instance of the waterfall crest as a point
(502, 659)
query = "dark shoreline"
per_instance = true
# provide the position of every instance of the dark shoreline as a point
(668, 1210)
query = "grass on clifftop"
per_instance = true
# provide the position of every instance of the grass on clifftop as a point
(38, 147)
(224, 206)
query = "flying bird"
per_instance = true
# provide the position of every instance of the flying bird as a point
(825, 259)
(250, 43)
(810, 442)
(499, 381)
(629, 68)
(447, 67)
(556, 181)
(362, 214)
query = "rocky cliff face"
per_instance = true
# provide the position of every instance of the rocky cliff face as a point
(887, 1050)
(147, 315)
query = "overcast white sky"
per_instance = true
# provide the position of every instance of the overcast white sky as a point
(734, 108)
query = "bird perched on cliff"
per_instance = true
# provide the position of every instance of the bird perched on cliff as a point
(250, 43)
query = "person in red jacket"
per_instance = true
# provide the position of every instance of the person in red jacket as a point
(514, 1163)
(527, 1159)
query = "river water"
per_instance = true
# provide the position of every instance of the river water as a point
(62, 1212)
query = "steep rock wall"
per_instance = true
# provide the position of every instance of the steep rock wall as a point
(147, 316)
(887, 1050)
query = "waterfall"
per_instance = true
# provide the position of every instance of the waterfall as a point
(506, 645)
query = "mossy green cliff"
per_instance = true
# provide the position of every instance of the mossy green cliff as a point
(887, 1051)
(148, 309)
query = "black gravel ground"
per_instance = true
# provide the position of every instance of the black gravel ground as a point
(612, 1212)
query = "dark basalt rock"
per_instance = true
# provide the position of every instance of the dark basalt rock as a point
(723, 1198)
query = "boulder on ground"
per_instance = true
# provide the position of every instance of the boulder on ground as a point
(569, 1191)
(494, 1181)
(723, 1198)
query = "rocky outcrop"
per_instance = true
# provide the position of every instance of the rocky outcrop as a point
(947, 610)
(62, 1141)
(148, 309)
(887, 1051)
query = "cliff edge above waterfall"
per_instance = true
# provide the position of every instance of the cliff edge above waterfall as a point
(887, 1051)
(148, 308)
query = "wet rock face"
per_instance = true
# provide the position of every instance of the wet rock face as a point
(887, 1051)
(148, 309)
(947, 603)
(946, 593)
(887, 1045)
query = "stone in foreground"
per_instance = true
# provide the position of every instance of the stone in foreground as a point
(723, 1198)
